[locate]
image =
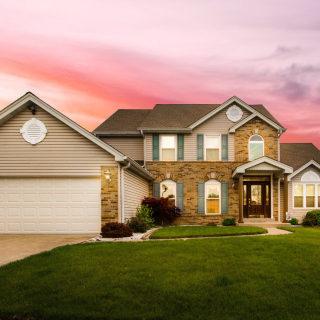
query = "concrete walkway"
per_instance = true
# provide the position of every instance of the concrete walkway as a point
(16, 247)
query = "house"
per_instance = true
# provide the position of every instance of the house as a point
(213, 161)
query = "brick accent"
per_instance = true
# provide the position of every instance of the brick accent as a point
(192, 172)
(256, 126)
(109, 196)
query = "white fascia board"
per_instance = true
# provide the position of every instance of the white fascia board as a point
(165, 130)
(31, 97)
(262, 117)
(280, 165)
(142, 171)
(222, 106)
(311, 162)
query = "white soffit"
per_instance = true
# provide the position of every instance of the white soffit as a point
(264, 166)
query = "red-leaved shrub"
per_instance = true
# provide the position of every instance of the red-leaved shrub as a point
(115, 230)
(164, 211)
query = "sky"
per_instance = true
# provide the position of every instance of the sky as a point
(88, 58)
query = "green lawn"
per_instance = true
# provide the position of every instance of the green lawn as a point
(273, 277)
(204, 231)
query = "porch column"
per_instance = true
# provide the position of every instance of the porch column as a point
(240, 197)
(285, 191)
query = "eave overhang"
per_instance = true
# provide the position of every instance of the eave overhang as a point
(303, 167)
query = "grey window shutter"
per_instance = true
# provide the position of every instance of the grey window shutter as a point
(180, 146)
(155, 147)
(200, 147)
(224, 197)
(180, 195)
(200, 197)
(156, 190)
(224, 147)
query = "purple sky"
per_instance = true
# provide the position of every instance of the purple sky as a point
(90, 58)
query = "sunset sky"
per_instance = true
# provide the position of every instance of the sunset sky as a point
(89, 58)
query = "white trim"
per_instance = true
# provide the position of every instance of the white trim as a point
(205, 147)
(255, 142)
(279, 200)
(212, 181)
(175, 146)
(311, 162)
(304, 196)
(119, 194)
(168, 181)
(244, 167)
(244, 105)
(256, 114)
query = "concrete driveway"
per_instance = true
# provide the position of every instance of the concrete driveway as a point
(16, 247)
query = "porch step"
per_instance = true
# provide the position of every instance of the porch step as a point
(271, 224)
(262, 220)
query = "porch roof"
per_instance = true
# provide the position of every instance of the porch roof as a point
(263, 165)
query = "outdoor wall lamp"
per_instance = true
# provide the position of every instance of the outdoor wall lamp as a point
(107, 175)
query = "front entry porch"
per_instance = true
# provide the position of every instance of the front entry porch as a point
(259, 192)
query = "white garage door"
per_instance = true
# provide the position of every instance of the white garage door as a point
(50, 205)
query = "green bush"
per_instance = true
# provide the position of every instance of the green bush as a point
(137, 225)
(229, 222)
(294, 221)
(145, 213)
(115, 230)
(311, 219)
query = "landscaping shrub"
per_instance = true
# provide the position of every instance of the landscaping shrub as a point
(164, 211)
(137, 225)
(145, 213)
(229, 222)
(311, 219)
(212, 224)
(115, 230)
(294, 221)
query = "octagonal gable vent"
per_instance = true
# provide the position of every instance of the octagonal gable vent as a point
(33, 131)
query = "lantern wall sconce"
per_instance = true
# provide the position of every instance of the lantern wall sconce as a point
(107, 175)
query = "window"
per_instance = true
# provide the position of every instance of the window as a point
(306, 195)
(168, 147)
(256, 147)
(212, 197)
(298, 196)
(212, 146)
(168, 190)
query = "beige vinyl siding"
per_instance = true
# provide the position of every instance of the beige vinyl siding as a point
(63, 152)
(130, 146)
(299, 212)
(135, 189)
(216, 125)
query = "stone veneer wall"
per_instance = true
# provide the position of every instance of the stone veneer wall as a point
(256, 126)
(109, 196)
(190, 173)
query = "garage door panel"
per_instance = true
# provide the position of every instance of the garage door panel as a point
(50, 205)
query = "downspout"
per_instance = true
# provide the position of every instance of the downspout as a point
(119, 194)
(279, 200)
(122, 190)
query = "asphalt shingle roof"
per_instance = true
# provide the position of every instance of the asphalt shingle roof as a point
(298, 154)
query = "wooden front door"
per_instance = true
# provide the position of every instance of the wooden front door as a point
(256, 199)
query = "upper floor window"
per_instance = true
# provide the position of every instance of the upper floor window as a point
(256, 147)
(168, 148)
(168, 190)
(212, 147)
(212, 196)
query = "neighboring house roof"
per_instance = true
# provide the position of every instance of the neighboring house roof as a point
(30, 99)
(123, 121)
(172, 117)
(298, 154)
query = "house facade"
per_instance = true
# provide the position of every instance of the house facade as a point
(213, 161)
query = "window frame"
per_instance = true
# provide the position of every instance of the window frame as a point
(304, 196)
(205, 146)
(161, 143)
(249, 148)
(212, 181)
(169, 182)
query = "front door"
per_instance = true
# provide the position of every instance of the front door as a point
(256, 199)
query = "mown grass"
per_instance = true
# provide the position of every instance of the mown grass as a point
(273, 277)
(204, 231)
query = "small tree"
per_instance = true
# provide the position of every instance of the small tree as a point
(164, 210)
